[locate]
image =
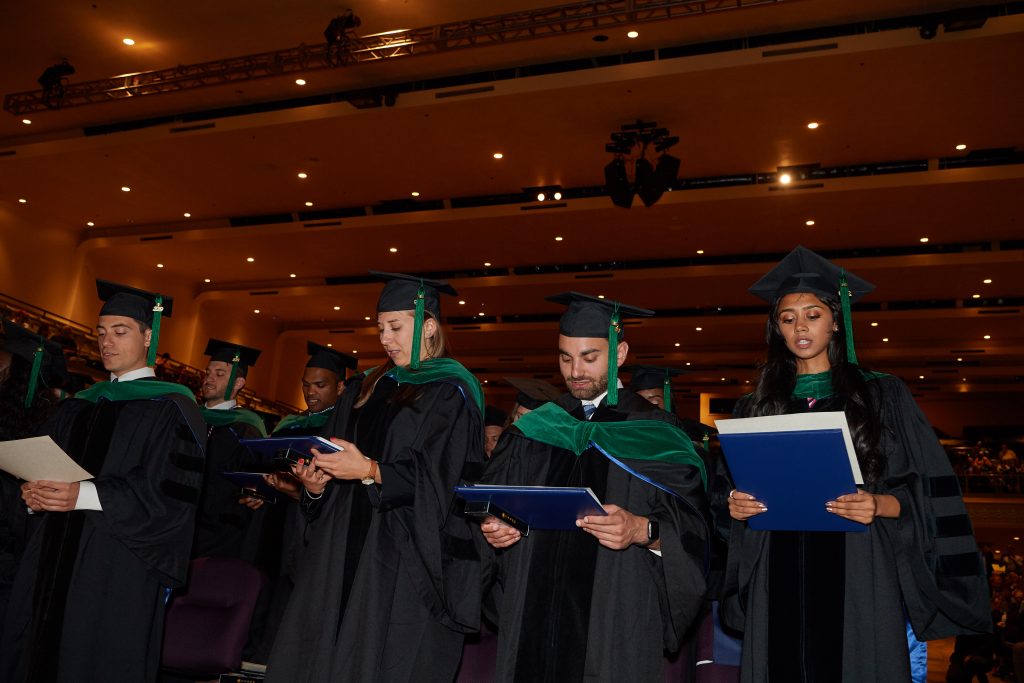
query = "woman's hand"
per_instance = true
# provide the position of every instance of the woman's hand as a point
(312, 478)
(348, 463)
(863, 507)
(283, 482)
(498, 534)
(617, 530)
(743, 506)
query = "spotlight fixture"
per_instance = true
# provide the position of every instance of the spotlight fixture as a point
(52, 82)
(650, 180)
(544, 193)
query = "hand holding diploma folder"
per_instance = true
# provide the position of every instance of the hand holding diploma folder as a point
(531, 507)
(794, 464)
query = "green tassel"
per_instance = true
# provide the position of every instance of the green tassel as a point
(234, 375)
(154, 339)
(613, 358)
(33, 376)
(844, 300)
(417, 330)
(707, 440)
(666, 392)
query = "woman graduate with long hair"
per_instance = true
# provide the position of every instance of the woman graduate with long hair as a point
(405, 590)
(835, 606)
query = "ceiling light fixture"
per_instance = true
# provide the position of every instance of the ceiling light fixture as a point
(987, 281)
(498, 155)
(885, 339)
(300, 81)
(633, 34)
(481, 313)
(309, 203)
(700, 251)
(128, 41)
(337, 308)
(487, 264)
(874, 324)
(159, 265)
(961, 147)
(291, 274)
(23, 201)
(393, 250)
(187, 215)
(975, 296)
(812, 125)
(988, 336)
(808, 223)
(462, 302)
(558, 239)
(699, 329)
(27, 122)
(414, 193)
(255, 310)
(785, 179)
(206, 280)
(678, 344)
(250, 259)
(303, 175)
(366, 317)
(90, 224)
(924, 240)
(125, 188)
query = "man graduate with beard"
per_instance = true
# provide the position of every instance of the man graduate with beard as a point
(222, 521)
(88, 601)
(602, 602)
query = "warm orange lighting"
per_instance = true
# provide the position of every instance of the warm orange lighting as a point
(23, 201)
(90, 224)
(699, 329)
(250, 259)
(393, 250)
(987, 281)
(27, 122)
(291, 274)
(487, 264)
(961, 147)
(159, 265)
(885, 339)
(255, 310)
(415, 194)
(678, 344)
(498, 155)
(309, 203)
(633, 34)
(462, 302)
(812, 125)
(874, 324)
(300, 81)
(987, 336)
(808, 223)
(923, 240)
(558, 239)
(207, 280)
(128, 41)
(303, 175)
(187, 215)
(785, 179)
(125, 188)
(337, 308)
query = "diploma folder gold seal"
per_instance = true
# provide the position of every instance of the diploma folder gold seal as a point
(39, 458)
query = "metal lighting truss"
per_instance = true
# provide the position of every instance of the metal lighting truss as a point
(506, 28)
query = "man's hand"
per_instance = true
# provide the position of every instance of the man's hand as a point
(618, 530)
(499, 534)
(285, 483)
(50, 496)
(251, 502)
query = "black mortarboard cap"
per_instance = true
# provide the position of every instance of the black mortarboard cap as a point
(227, 352)
(589, 316)
(400, 290)
(802, 270)
(25, 344)
(494, 417)
(649, 376)
(533, 393)
(323, 357)
(130, 302)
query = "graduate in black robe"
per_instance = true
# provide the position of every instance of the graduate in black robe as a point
(604, 602)
(26, 402)
(89, 596)
(849, 607)
(416, 426)
(223, 522)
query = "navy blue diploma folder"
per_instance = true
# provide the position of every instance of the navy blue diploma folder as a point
(794, 474)
(289, 448)
(531, 507)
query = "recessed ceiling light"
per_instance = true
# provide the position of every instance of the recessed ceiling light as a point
(367, 317)
(415, 193)
(808, 223)
(487, 264)
(678, 344)
(540, 196)
(633, 34)
(558, 239)
(393, 250)
(206, 280)
(27, 122)
(723, 379)
(963, 379)
(498, 155)
(354, 351)
(23, 201)
(128, 41)
(480, 313)
(291, 274)
(959, 360)
(557, 196)
(748, 381)
(699, 329)
(255, 310)
(309, 203)
(462, 302)
(874, 324)
(923, 240)
(125, 188)
(600, 296)
(700, 251)
(303, 175)
(687, 362)
(988, 336)
(785, 179)
(90, 224)
(975, 296)
(987, 281)
(337, 308)
(187, 215)
(885, 339)
(961, 147)
(159, 265)
(329, 344)
(812, 125)
(250, 259)
(300, 81)
(920, 376)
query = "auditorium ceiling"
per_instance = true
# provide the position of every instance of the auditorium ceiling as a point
(217, 206)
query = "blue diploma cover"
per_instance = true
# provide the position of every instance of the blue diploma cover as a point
(290, 448)
(531, 507)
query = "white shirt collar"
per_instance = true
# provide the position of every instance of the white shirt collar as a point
(597, 399)
(134, 374)
(223, 405)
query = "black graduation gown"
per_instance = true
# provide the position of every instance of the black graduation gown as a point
(570, 609)
(222, 522)
(847, 592)
(332, 530)
(416, 590)
(88, 603)
(14, 530)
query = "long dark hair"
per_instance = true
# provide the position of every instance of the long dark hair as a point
(778, 377)
(16, 421)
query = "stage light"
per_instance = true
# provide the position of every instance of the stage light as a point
(617, 182)
(651, 184)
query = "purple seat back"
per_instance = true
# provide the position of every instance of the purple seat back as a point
(208, 624)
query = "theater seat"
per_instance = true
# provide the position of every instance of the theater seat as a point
(718, 654)
(208, 624)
